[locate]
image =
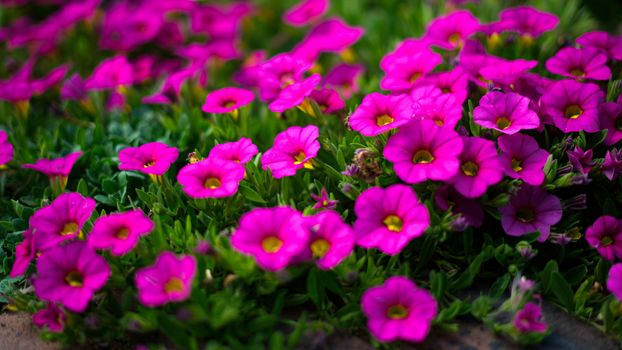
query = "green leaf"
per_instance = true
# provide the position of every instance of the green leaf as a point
(500, 286)
(562, 291)
(438, 284)
(315, 287)
(251, 194)
(467, 277)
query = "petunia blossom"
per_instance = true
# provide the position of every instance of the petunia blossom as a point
(293, 149)
(528, 21)
(452, 30)
(331, 240)
(305, 12)
(529, 319)
(295, 95)
(480, 167)
(153, 158)
(120, 232)
(573, 106)
(110, 74)
(610, 119)
(211, 178)
(507, 113)
(25, 251)
(6, 149)
(241, 151)
(609, 44)
(522, 158)
(614, 280)
(405, 72)
(52, 317)
(343, 78)
(380, 113)
(587, 63)
(227, 100)
(57, 169)
(328, 100)
(168, 280)
(606, 236)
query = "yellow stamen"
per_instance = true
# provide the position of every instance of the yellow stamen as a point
(573, 112)
(149, 164)
(414, 77)
(525, 214)
(74, 279)
(469, 168)
(579, 73)
(423, 157)
(122, 233)
(212, 183)
(503, 123)
(69, 229)
(606, 241)
(174, 285)
(516, 165)
(455, 40)
(271, 244)
(393, 223)
(397, 312)
(384, 120)
(320, 247)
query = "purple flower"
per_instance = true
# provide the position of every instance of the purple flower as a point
(451, 31)
(332, 35)
(328, 100)
(331, 240)
(614, 280)
(506, 73)
(227, 100)
(222, 21)
(453, 83)
(522, 158)
(56, 167)
(211, 178)
(323, 201)
(579, 64)
(293, 149)
(603, 41)
(480, 167)
(278, 73)
(151, 158)
(611, 119)
(612, 164)
(24, 253)
(294, 94)
(581, 160)
(573, 106)
(530, 210)
(110, 74)
(52, 317)
(343, 78)
(388, 219)
(508, 113)
(399, 309)
(120, 231)
(529, 319)
(126, 26)
(528, 21)
(408, 47)
(405, 72)
(241, 151)
(305, 12)
(6, 149)
(470, 210)
(169, 279)
(606, 236)
(429, 103)
(422, 150)
(379, 113)
(74, 89)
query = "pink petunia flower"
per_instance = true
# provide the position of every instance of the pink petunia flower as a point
(528, 21)
(52, 317)
(610, 119)
(74, 89)
(211, 178)
(529, 319)
(608, 44)
(70, 274)
(110, 74)
(470, 210)
(305, 12)
(127, 26)
(331, 240)
(380, 113)
(153, 158)
(399, 310)
(522, 158)
(171, 88)
(62, 219)
(506, 74)
(328, 100)
(24, 253)
(332, 35)
(227, 100)
(606, 236)
(6, 149)
(573, 106)
(273, 236)
(293, 149)
(343, 78)
(422, 150)
(241, 151)
(614, 280)
(120, 232)
(278, 73)
(220, 20)
(587, 63)
(430, 103)
(474, 63)
(294, 95)
(388, 219)
(323, 201)
(451, 31)
(508, 113)
(57, 169)
(480, 167)
(530, 210)
(406, 48)
(405, 72)
(248, 75)
(454, 83)
(580, 159)
(168, 280)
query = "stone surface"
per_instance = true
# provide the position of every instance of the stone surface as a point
(18, 333)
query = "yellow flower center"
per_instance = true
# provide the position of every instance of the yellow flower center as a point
(397, 312)
(439, 122)
(469, 168)
(414, 77)
(573, 112)
(320, 247)
(212, 183)
(271, 244)
(503, 123)
(577, 72)
(74, 279)
(455, 39)
(525, 214)
(517, 165)
(606, 241)
(174, 285)
(393, 223)
(122, 233)
(149, 164)
(384, 120)
(423, 157)
(69, 228)
(299, 158)
(228, 104)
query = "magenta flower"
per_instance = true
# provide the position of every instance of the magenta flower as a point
(608, 44)
(323, 201)
(508, 113)
(573, 106)
(70, 274)
(388, 219)
(474, 63)
(273, 236)
(451, 31)
(522, 158)
(293, 149)
(430, 103)
(294, 94)
(380, 113)
(171, 88)
(454, 83)
(220, 21)
(579, 64)
(612, 164)
(153, 158)
(248, 75)
(227, 100)
(62, 219)
(168, 280)
(422, 150)
(606, 236)
(74, 89)
(328, 100)
(610, 119)
(614, 280)
(406, 48)
(110, 74)
(305, 12)
(399, 309)
(127, 26)
(120, 231)
(6, 149)
(530, 210)
(470, 210)
(24, 253)
(332, 35)
(343, 78)
(506, 73)
(580, 159)
(405, 72)
(52, 317)
(57, 169)
(331, 240)
(528, 21)
(278, 73)
(529, 319)
(480, 167)
(211, 178)
(241, 151)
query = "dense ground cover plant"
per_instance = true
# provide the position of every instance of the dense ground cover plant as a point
(233, 175)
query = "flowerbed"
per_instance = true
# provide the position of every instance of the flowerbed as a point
(233, 175)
